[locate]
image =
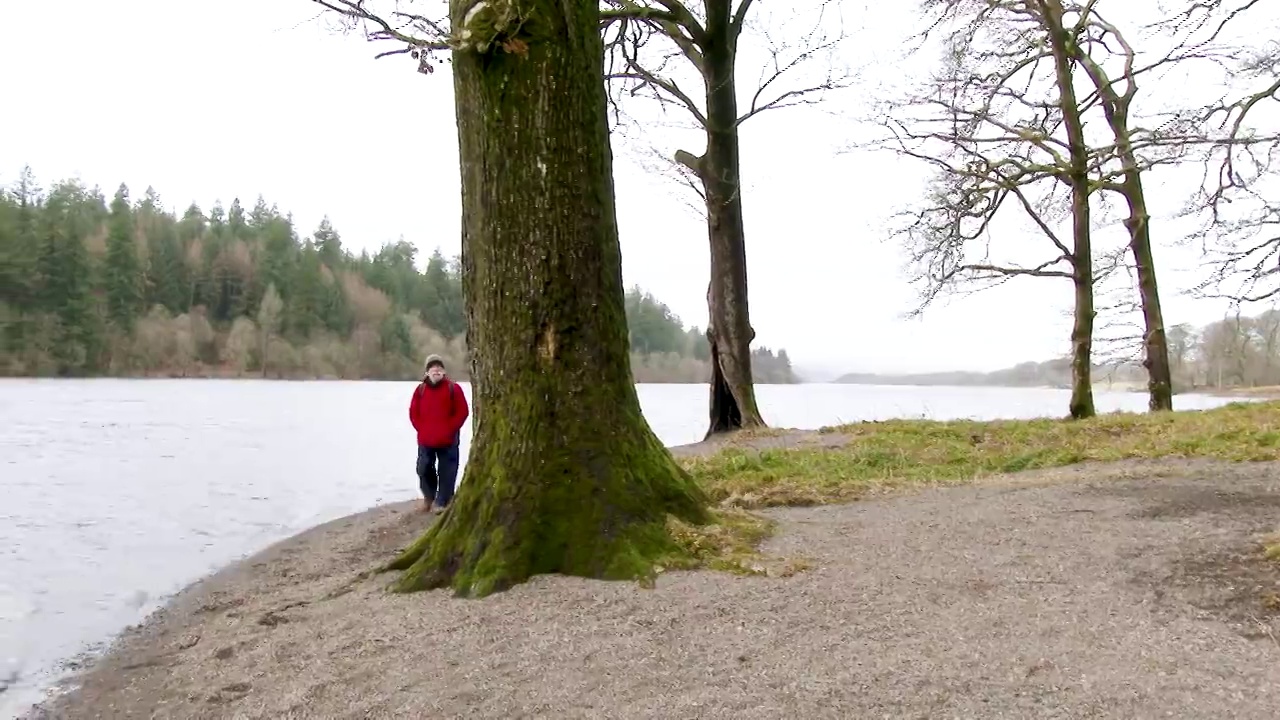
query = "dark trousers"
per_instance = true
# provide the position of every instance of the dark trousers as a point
(438, 473)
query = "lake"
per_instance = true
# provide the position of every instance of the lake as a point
(117, 493)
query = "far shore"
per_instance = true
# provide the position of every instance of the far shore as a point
(1047, 554)
(300, 379)
(1268, 392)
(1262, 392)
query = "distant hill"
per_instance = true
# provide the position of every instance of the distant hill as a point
(1050, 373)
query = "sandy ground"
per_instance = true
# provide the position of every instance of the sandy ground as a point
(1123, 591)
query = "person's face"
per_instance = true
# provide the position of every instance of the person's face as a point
(435, 373)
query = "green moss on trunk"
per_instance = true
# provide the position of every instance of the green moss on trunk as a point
(593, 504)
(564, 476)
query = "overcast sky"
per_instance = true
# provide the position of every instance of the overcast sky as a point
(210, 101)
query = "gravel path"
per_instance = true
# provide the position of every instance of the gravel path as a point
(1123, 591)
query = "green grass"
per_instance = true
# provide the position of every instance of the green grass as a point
(730, 543)
(902, 454)
(1271, 551)
(898, 454)
(1271, 546)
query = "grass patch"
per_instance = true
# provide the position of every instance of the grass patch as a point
(1271, 551)
(1271, 546)
(879, 456)
(897, 454)
(730, 544)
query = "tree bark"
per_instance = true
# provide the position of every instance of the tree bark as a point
(1081, 404)
(729, 331)
(564, 475)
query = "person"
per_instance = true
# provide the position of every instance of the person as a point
(437, 412)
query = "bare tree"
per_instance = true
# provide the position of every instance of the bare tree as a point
(1227, 350)
(1238, 351)
(239, 345)
(1140, 144)
(649, 43)
(269, 318)
(1182, 342)
(1001, 125)
(1009, 41)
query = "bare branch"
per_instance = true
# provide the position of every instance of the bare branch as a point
(419, 35)
(1237, 142)
(622, 54)
(670, 18)
(1040, 270)
(634, 11)
(691, 183)
(635, 67)
(693, 163)
(686, 20)
(786, 57)
(988, 123)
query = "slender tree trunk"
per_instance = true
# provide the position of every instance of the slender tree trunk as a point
(1155, 341)
(1081, 404)
(733, 399)
(266, 339)
(565, 475)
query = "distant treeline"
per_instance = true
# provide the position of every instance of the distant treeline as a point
(1236, 352)
(96, 287)
(1050, 373)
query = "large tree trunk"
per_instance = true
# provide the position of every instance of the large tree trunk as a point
(729, 331)
(1081, 404)
(564, 474)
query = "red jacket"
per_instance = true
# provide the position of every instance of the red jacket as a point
(438, 413)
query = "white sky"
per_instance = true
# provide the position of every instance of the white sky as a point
(209, 101)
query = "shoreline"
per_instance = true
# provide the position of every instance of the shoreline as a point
(186, 600)
(211, 646)
(72, 669)
(281, 632)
